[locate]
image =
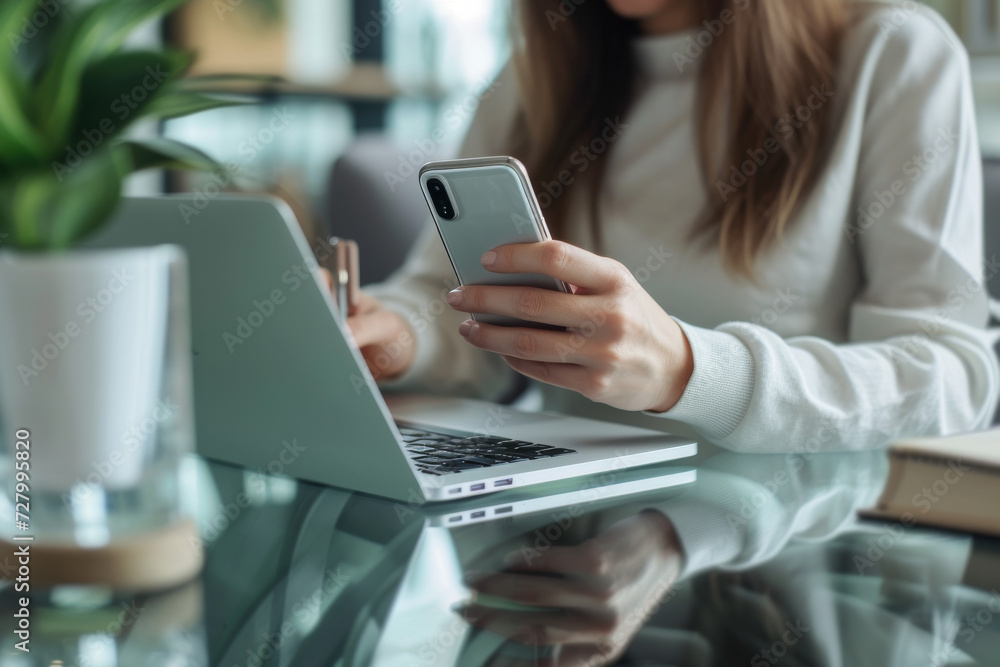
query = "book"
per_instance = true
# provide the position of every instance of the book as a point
(951, 482)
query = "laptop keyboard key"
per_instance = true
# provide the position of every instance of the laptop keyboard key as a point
(466, 442)
(527, 447)
(460, 465)
(506, 458)
(481, 460)
(435, 460)
(442, 453)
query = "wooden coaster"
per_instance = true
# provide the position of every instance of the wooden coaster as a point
(152, 561)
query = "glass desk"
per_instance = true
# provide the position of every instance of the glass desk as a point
(759, 561)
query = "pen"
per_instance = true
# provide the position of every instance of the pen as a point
(343, 266)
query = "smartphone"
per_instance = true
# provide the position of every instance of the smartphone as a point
(479, 204)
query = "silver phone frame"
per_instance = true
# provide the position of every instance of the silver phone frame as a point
(489, 161)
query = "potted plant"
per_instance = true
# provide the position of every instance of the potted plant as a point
(94, 365)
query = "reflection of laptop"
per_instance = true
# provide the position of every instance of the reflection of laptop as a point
(397, 571)
(578, 495)
(280, 387)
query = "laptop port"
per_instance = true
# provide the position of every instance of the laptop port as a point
(455, 519)
(478, 487)
(457, 489)
(478, 515)
(503, 510)
(504, 482)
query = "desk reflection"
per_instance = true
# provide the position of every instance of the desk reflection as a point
(87, 626)
(760, 561)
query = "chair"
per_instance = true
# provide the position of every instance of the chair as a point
(373, 198)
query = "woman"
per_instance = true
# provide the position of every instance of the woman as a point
(772, 211)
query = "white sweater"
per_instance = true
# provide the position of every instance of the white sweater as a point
(861, 328)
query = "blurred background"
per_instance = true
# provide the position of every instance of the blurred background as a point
(385, 85)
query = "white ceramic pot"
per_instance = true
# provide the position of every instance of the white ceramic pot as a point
(95, 364)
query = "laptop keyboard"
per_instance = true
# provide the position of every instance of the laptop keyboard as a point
(443, 453)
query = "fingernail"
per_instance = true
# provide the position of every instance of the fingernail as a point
(454, 297)
(465, 328)
(488, 258)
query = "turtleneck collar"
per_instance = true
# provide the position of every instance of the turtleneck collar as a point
(670, 56)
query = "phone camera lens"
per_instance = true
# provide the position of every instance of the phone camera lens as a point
(439, 197)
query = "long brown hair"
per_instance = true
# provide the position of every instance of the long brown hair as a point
(767, 62)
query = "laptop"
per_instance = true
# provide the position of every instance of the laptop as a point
(281, 387)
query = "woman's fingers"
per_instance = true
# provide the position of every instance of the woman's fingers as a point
(526, 303)
(559, 260)
(366, 303)
(384, 337)
(374, 327)
(569, 376)
(521, 342)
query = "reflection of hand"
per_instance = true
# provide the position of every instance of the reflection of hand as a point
(589, 600)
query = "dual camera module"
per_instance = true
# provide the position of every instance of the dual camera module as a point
(441, 200)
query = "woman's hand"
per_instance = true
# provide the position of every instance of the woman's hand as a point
(619, 347)
(589, 600)
(385, 339)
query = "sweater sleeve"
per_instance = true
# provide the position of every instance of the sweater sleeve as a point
(444, 362)
(743, 510)
(918, 360)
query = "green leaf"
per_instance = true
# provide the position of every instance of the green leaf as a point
(87, 199)
(59, 86)
(99, 30)
(174, 104)
(163, 153)
(13, 14)
(51, 211)
(117, 89)
(19, 140)
(29, 198)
